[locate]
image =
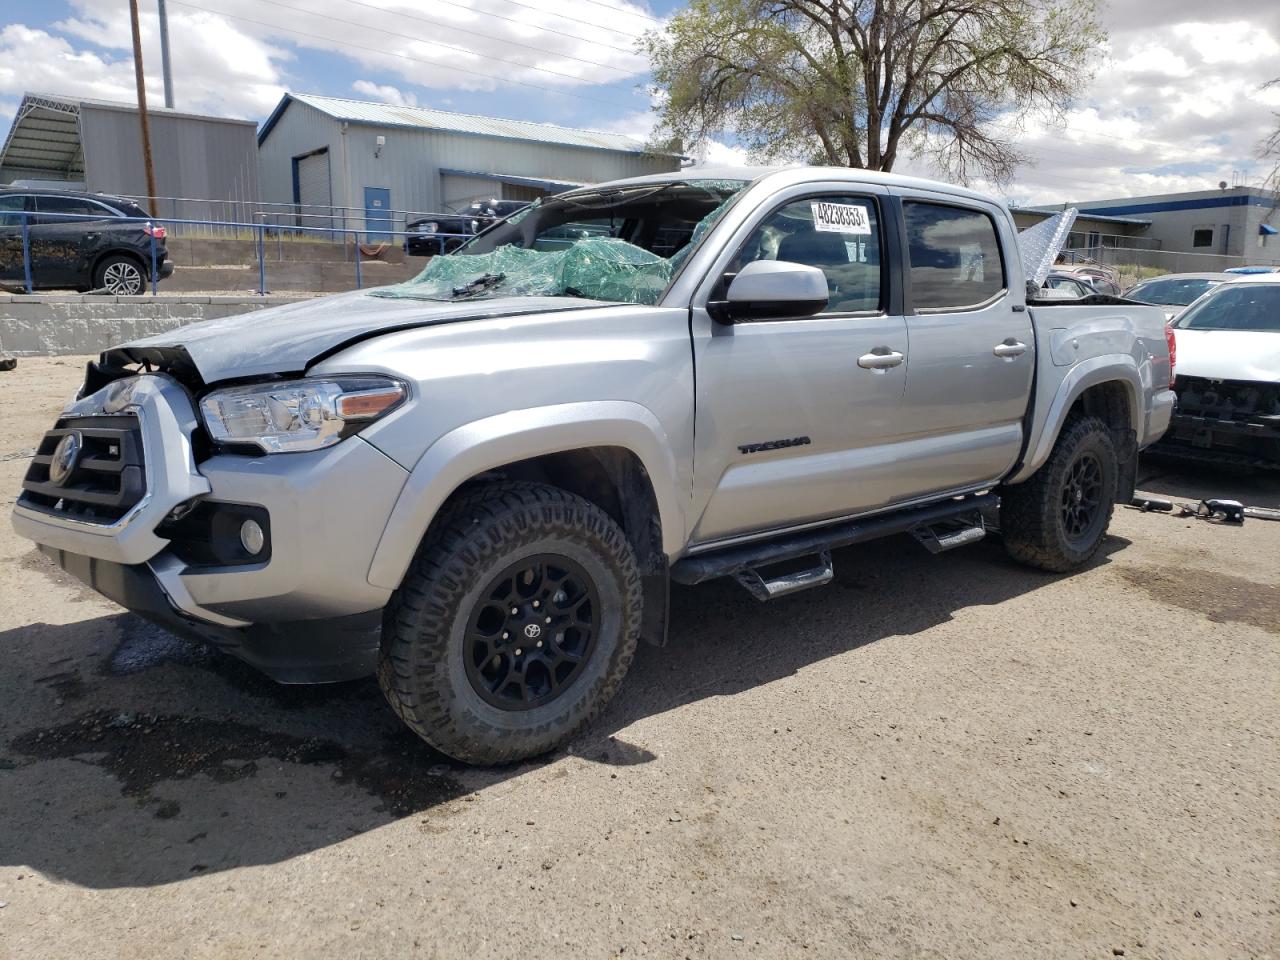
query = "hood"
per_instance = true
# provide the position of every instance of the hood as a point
(1229, 354)
(290, 338)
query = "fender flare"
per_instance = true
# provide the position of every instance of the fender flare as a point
(493, 442)
(1113, 368)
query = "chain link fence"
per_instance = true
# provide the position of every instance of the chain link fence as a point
(1132, 264)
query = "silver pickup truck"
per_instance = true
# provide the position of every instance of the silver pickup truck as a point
(481, 483)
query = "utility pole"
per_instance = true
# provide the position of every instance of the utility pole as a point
(165, 68)
(142, 103)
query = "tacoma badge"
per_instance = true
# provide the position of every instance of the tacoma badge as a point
(773, 445)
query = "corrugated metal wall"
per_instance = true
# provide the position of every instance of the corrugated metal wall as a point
(411, 160)
(300, 130)
(202, 158)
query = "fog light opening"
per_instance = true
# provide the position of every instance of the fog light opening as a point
(252, 538)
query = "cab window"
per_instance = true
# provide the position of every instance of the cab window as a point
(840, 235)
(954, 256)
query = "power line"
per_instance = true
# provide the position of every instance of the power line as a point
(521, 23)
(437, 43)
(401, 56)
(629, 13)
(565, 16)
(486, 36)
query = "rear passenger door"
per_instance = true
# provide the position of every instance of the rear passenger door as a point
(972, 348)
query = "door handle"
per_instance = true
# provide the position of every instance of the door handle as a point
(880, 359)
(1009, 349)
(91, 236)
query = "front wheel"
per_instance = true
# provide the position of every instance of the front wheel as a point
(515, 624)
(1056, 520)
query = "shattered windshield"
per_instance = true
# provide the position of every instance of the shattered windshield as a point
(620, 244)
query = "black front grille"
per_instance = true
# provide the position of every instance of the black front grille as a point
(108, 477)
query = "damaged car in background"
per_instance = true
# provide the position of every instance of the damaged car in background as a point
(1176, 291)
(446, 232)
(1228, 382)
(480, 484)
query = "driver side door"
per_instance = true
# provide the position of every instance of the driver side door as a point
(796, 419)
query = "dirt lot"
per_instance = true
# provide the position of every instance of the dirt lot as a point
(934, 757)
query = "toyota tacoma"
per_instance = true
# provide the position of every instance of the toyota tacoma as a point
(480, 484)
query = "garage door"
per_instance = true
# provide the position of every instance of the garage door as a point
(314, 195)
(458, 191)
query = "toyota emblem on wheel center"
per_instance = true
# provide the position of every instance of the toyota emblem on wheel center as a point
(65, 456)
(532, 631)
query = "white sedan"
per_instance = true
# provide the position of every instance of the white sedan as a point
(1228, 375)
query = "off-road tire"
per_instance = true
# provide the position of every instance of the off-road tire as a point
(128, 268)
(421, 664)
(1032, 513)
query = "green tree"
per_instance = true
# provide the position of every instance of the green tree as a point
(859, 82)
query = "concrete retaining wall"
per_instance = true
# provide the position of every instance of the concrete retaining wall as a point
(58, 325)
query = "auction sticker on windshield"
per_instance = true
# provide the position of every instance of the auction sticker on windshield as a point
(840, 218)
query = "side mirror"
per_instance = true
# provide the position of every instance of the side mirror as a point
(776, 290)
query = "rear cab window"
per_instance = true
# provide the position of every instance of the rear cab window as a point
(954, 260)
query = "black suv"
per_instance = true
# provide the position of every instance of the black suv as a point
(107, 253)
(470, 220)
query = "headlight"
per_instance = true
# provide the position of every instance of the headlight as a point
(428, 227)
(475, 226)
(288, 416)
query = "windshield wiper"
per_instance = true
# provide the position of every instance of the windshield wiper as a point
(479, 285)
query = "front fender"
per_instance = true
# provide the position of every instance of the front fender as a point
(496, 441)
(1049, 416)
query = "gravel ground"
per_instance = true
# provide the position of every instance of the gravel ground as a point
(934, 757)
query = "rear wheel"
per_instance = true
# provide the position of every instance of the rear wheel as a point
(514, 626)
(120, 275)
(1056, 520)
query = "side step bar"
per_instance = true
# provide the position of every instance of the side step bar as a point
(949, 534)
(773, 587)
(959, 521)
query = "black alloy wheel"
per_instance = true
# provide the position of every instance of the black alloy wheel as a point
(1056, 519)
(1082, 498)
(532, 632)
(514, 624)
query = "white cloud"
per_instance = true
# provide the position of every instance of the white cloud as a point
(237, 57)
(1177, 105)
(716, 154)
(218, 68)
(385, 92)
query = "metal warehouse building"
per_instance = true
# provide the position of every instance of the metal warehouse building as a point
(1235, 221)
(1230, 221)
(379, 161)
(97, 145)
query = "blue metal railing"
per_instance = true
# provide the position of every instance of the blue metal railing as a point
(259, 231)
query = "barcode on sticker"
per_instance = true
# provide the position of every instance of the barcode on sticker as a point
(840, 218)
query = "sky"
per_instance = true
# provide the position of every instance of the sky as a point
(1176, 102)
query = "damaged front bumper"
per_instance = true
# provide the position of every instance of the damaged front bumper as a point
(1225, 422)
(131, 513)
